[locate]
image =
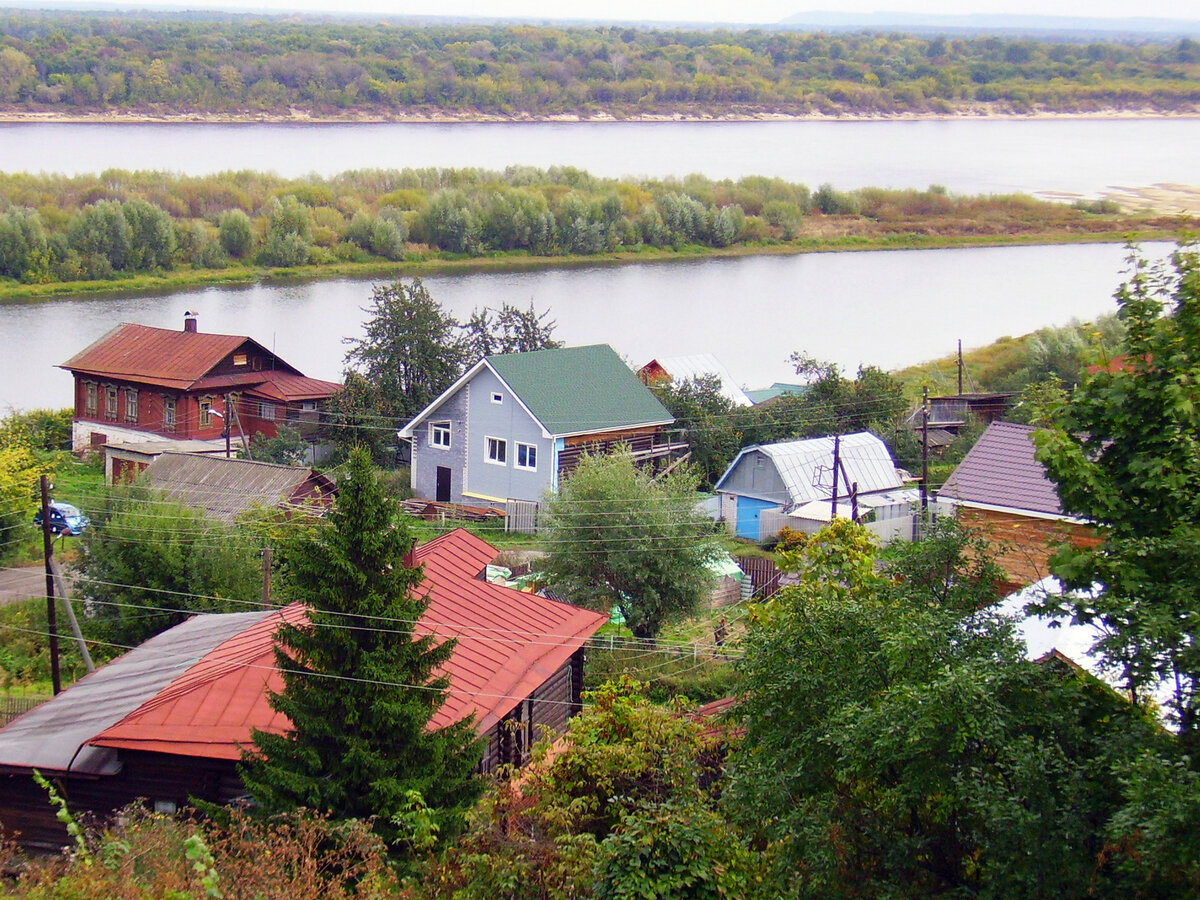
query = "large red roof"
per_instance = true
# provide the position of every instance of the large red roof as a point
(509, 643)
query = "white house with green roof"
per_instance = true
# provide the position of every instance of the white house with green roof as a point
(513, 424)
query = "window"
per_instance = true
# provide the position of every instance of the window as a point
(497, 398)
(496, 451)
(90, 400)
(239, 359)
(110, 403)
(206, 411)
(168, 413)
(131, 409)
(439, 435)
(266, 410)
(527, 457)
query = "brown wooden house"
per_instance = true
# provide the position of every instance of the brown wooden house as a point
(139, 383)
(1001, 490)
(166, 722)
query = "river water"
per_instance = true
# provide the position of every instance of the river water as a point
(1082, 156)
(884, 308)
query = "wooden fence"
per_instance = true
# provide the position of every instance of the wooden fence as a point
(11, 707)
(763, 574)
(521, 516)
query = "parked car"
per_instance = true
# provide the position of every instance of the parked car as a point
(64, 519)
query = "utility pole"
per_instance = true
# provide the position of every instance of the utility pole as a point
(924, 452)
(225, 429)
(266, 576)
(960, 367)
(836, 468)
(51, 612)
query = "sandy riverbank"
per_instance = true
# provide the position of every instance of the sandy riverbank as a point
(302, 116)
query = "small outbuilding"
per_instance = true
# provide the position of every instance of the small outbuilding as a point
(794, 483)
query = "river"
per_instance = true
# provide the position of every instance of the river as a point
(884, 308)
(975, 156)
(888, 309)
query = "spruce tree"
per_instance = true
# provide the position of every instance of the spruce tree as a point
(359, 686)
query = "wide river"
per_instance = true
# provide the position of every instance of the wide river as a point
(883, 308)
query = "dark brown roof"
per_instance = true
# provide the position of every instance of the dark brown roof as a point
(1000, 470)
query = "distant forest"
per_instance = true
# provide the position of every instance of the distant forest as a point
(85, 63)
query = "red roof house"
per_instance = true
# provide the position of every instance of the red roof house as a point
(139, 383)
(167, 721)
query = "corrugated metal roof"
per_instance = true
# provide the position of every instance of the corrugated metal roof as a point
(159, 355)
(699, 365)
(509, 643)
(54, 736)
(806, 467)
(576, 390)
(224, 488)
(1001, 470)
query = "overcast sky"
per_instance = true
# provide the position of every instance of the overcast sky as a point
(747, 11)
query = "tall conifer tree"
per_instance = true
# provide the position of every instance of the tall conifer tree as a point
(359, 686)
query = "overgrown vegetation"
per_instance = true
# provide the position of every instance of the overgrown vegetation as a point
(130, 226)
(72, 62)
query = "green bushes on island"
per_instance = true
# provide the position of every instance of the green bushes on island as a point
(56, 228)
(87, 62)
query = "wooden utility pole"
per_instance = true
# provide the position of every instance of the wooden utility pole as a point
(51, 612)
(266, 576)
(225, 429)
(924, 451)
(960, 367)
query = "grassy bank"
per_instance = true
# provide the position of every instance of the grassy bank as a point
(441, 263)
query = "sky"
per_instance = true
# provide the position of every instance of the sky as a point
(726, 11)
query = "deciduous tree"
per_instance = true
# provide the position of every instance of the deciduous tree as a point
(620, 538)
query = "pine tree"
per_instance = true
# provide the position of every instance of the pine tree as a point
(359, 687)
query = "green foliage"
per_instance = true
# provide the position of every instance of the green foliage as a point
(236, 233)
(676, 851)
(359, 686)
(1123, 455)
(63, 814)
(149, 563)
(898, 743)
(708, 422)
(20, 471)
(24, 650)
(22, 245)
(509, 329)
(151, 235)
(286, 448)
(621, 538)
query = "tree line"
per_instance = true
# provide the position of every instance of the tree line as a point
(56, 228)
(89, 62)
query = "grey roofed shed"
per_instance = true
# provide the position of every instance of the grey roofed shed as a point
(54, 737)
(226, 488)
(805, 467)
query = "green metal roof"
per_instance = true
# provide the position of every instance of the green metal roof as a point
(579, 389)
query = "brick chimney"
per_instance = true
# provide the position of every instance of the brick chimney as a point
(189, 322)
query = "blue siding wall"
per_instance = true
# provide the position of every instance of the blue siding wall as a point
(426, 458)
(491, 482)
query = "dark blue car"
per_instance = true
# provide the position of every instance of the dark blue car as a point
(64, 519)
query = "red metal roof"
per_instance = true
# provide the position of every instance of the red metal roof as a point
(509, 643)
(181, 360)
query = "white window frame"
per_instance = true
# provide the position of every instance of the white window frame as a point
(131, 405)
(266, 410)
(91, 398)
(529, 449)
(110, 403)
(169, 413)
(436, 428)
(206, 410)
(490, 446)
(497, 398)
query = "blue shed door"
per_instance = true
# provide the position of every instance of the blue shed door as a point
(748, 511)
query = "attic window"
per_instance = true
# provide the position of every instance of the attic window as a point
(240, 359)
(256, 364)
(497, 398)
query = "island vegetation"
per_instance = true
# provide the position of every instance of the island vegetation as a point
(164, 64)
(67, 234)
